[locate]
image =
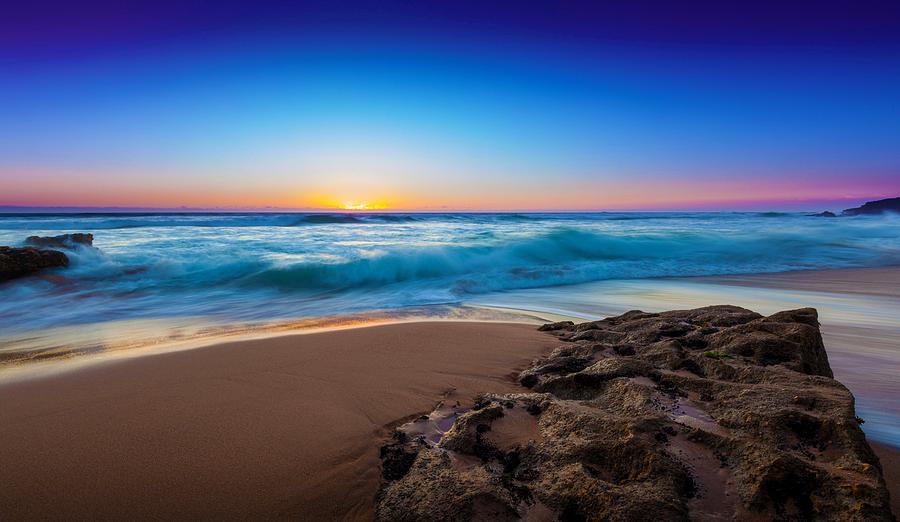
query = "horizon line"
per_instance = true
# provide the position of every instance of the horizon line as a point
(25, 209)
(816, 204)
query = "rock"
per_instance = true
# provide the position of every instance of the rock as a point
(789, 338)
(875, 207)
(63, 241)
(465, 435)
(397, 457)
(716, 413)
(825, 214)
(19, 262)
(549, 327)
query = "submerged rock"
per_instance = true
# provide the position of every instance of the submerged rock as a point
(716, 413)
(19, 262)
(63, 241)
(875, 207)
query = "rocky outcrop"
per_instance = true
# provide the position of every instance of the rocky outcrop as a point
(63, 241)
(19, 262)
(716, 413)
(827, 213)
(875, 207)
(549, 327)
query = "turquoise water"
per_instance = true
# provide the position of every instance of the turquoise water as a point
(257, 266)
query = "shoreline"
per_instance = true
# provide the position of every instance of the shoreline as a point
(287, 427)
(27, 349)
(860, 328)
(29, 363)
(282, 427)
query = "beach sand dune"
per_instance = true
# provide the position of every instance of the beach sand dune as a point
(285, 427)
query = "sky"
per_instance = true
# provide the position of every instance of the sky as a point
(450, 105)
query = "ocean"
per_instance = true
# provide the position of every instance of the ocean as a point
(246, 267)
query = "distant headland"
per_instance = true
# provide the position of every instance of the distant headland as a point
(875, 207)
(870, 208)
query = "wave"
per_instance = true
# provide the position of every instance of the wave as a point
(294, 268)
(569, 256)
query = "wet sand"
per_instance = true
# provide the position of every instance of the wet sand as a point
(884, 282)
(890, 465)
(286, 427)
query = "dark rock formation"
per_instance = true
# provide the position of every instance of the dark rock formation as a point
(549, 327)
(875, 207)
(825, 214)
(63, 241)
(19, 262)
(717, 413)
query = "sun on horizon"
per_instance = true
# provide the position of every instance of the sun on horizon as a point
(350, 205)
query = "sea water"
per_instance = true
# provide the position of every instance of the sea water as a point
(245, 267)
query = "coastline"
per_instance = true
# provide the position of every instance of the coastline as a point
(280, 426)
(70, 348)
(286, 427)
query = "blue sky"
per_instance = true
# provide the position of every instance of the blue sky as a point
(400, 105)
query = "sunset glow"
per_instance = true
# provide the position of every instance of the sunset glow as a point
(357, 206)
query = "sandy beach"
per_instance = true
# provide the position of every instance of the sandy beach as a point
(287, 427)
(890, 464)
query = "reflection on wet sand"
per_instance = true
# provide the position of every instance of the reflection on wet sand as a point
(67, 348)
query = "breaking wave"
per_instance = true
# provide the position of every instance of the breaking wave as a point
(316, 264)
(573, 256)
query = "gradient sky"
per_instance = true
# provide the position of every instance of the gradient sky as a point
(416, 105)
